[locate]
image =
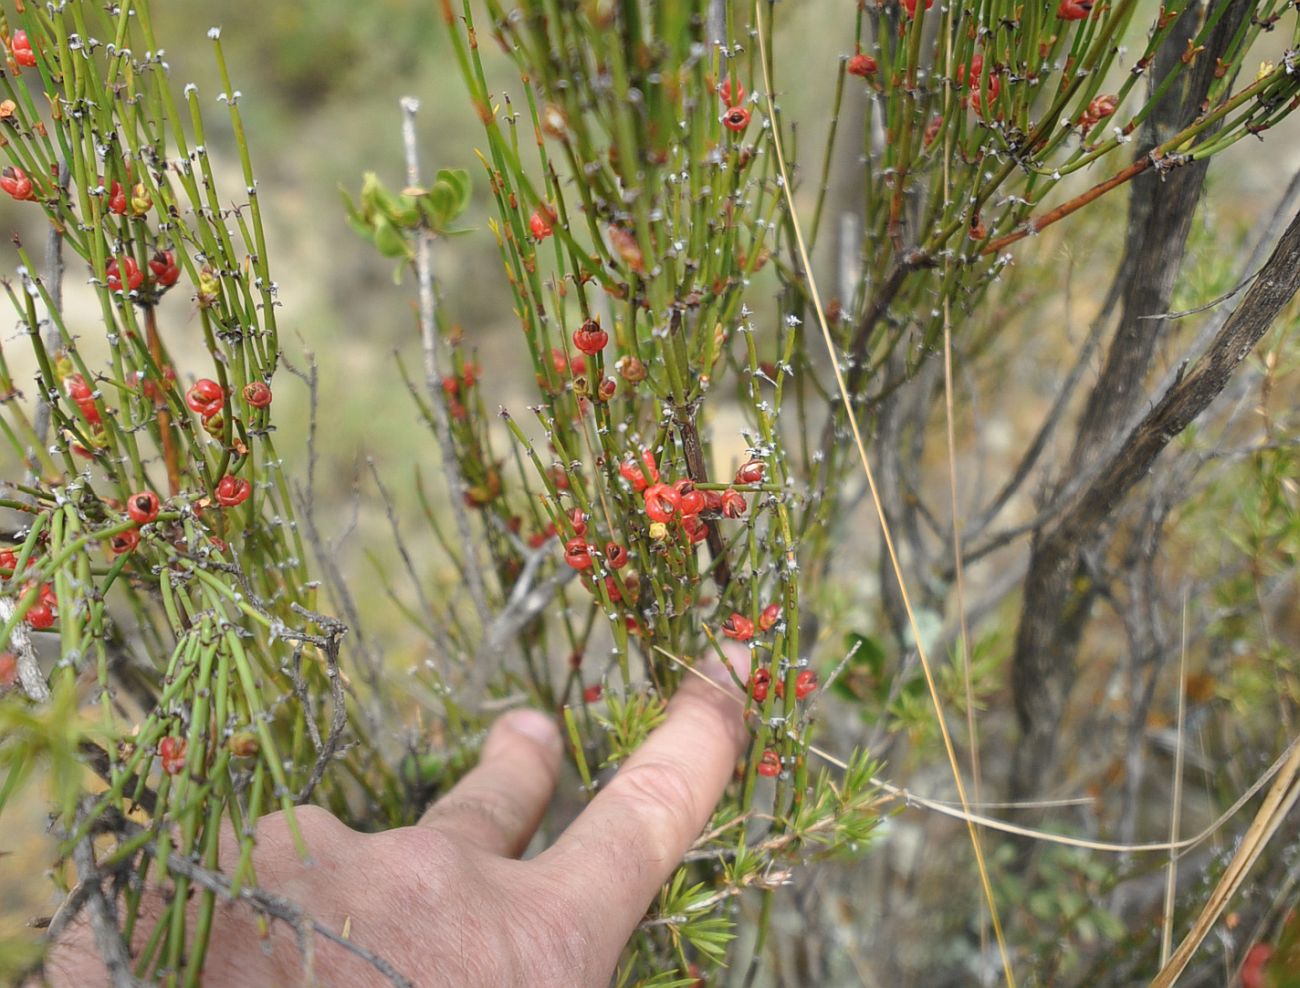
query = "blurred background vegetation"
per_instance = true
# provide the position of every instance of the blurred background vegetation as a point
(321, 84)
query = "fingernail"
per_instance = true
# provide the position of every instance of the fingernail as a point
(534, 725)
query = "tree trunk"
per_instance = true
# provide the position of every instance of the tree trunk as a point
(1059, 588)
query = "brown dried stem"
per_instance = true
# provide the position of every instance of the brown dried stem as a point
(160, 403)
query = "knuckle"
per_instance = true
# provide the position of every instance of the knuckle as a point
(558, 946)
(310, 817)
(491, 809)
(321, 830)
(429, 848)
(659, 794)
(418, 863)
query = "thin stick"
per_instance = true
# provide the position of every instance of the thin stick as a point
(327, 559)
(875, 498)
(30, 676)
(54, 286)
(103, 920)
(1066, 208)
(1047, 837)
(1277, 804)
(170, 459)
(326, 750)
(972, 735)
(480, 673)
(303, 923)
(912, 800)
(1171, 875)
(407, 562)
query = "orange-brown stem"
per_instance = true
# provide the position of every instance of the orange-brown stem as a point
(1066, 208)
(160, 402)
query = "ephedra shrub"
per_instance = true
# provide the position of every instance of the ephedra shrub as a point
(659, 266)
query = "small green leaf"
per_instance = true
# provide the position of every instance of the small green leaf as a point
(457, 180)
(354, 214)
(447, 199)
(389, 239)
(437, 205)
(864, 677)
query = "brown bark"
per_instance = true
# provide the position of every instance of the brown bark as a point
(1087, 511)
(1059, 587)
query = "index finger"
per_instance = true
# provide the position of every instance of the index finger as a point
(625, 845)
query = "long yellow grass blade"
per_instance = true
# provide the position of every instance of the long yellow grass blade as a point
(815, 295)
(1278, 803)
(945, 808)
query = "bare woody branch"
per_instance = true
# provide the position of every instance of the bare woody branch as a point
(433, 378)
(1189, 396)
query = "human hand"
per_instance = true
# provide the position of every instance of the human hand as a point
(447, 902)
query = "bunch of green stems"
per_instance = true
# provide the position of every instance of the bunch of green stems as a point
(153, 529)
(636, 183)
